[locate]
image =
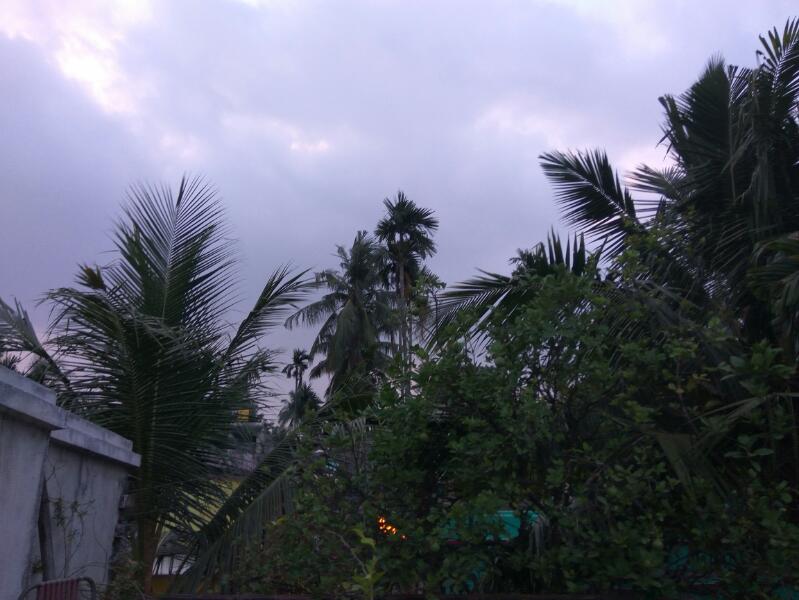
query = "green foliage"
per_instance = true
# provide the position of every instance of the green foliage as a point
(642, 474)
(366, 581)
(125, 581)
(623, 419)
(322, 546)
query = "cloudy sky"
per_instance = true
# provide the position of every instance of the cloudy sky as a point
(305, 115)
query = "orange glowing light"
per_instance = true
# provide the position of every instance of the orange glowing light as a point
(386, 528)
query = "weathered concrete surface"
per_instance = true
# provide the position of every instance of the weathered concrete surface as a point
(23, 448)
(83, 490)
(84, 468)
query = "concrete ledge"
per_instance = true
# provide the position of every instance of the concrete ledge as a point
(28, 401)
(26, 386)
(93, 430)
(82, 466)
(81, 442)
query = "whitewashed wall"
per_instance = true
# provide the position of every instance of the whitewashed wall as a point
(83, 469)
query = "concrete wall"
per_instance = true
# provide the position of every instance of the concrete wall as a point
(83, 491)
(81, 467)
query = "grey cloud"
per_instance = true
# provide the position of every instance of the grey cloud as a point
(62, 168)
(305, 115)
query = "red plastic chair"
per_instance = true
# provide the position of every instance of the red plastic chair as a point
(62, 589)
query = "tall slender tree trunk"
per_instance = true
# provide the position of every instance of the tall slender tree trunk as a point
(147, 546)
(401, 294)
(405, 349)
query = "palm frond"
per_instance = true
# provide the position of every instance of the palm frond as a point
(592, 196)
(282, 291)
(219, 557)
(18, 337)
(177, 258)
(407, 228)
(469, 303)
(780, 66)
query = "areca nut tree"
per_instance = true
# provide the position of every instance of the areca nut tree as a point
(407, 231)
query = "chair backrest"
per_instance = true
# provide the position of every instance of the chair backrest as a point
(62, 589)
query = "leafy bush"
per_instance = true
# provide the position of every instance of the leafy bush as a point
(640, 471)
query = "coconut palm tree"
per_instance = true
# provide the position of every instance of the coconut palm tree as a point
(301, 402)
(297, 367)
(143, 347)
(354, 316)
(463, 307)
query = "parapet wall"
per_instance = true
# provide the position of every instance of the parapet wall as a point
(61, 479)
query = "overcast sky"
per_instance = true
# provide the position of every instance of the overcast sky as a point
(305, 115)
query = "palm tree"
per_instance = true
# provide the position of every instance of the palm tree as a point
(302, 401)
(297, 366)
(407, 231)
(718, 239)
(425, 302)
(22, 351)
(143, 347)
(466, 305)
(354, 316)
(733, 140)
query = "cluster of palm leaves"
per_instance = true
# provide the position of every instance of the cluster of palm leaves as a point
(466, 305)
(717, 226)
(714, 232)
(143, 347)
(365, 316)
